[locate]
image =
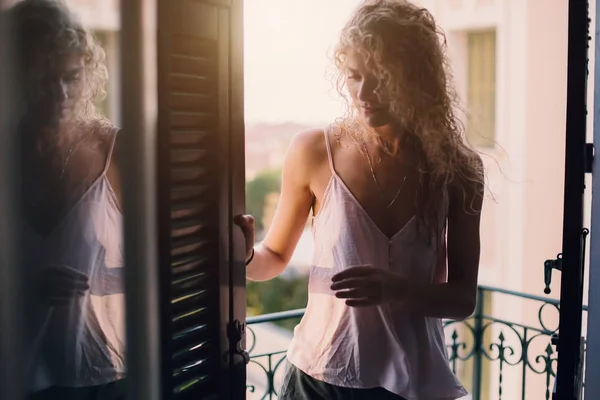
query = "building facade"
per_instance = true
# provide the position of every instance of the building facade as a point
(509, 59)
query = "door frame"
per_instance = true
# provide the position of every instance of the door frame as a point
(571, 293)
(237, 187)
(139, 106)
(592, 370)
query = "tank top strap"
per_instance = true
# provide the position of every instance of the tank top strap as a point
(328, 146)
(111, 148)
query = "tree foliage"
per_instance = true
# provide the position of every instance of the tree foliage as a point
(257, 189)
(276, 295)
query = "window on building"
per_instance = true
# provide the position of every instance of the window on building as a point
(481, 88)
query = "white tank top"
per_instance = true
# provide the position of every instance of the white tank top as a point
(382, 346)
(81, 344)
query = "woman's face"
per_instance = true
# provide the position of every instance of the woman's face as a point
(60, 90)
(368, 98)
(66, 86)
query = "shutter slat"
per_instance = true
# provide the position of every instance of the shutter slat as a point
(181, 318)
(187, 155)
(186, 209)
(182, 175)
(190, 46)
(193, 331)
(187, 192)
(184, 280)
(191, 120)
(188, 354)
(186, 227)
(190, 101)
(191, 65)
(183, 224)
(191, 368)
(190, 384)
(189, 297)
(192, 371)
(188, 245)
(188, 137)
(186, 263)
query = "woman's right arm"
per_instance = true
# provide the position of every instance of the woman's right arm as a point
(296, 199)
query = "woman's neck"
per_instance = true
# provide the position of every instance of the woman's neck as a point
(391, 138)
(53, 140)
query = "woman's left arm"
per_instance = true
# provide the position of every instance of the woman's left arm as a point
(455, 298)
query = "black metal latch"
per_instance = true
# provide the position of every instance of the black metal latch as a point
(236, 332)
(550, 265)
(589, 157)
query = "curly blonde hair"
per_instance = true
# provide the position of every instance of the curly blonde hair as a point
(46, 33)
(406, 51)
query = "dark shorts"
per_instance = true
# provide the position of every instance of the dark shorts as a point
(299, 386)
(111, 391)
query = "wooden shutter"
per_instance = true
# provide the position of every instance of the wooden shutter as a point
(200, 162)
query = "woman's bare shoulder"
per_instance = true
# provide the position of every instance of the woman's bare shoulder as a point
(100, 133)
(309, 146)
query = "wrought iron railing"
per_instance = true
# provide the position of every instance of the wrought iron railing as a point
(495, 357)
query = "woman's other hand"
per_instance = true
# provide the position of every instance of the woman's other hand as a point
(366, 285)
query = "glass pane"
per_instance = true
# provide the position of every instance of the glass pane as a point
(69, 223)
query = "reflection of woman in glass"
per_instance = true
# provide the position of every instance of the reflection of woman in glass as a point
(70, 191)
(392, 186)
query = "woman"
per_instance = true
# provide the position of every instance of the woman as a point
(391, 187)
(71, 218)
